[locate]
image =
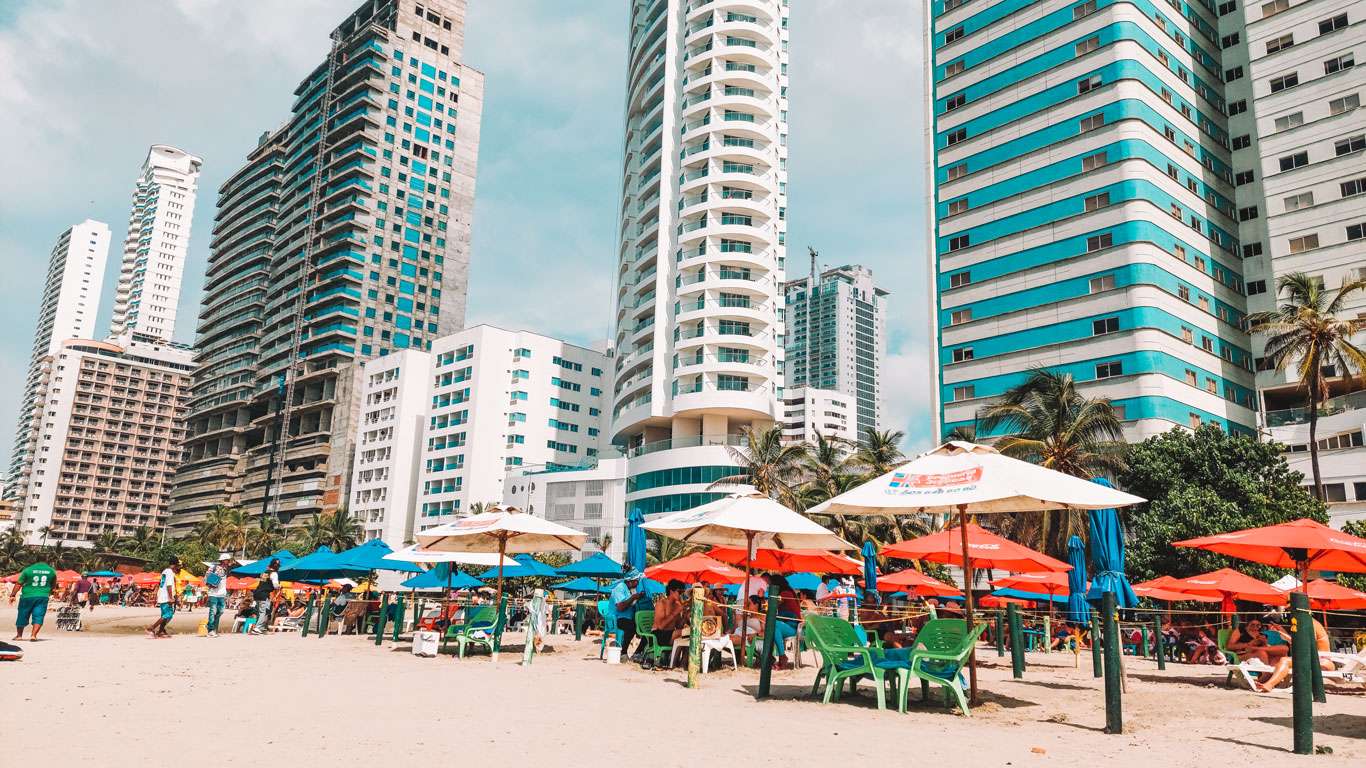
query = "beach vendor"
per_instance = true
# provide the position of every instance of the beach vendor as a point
(166, 599)
(34, 587)
(622, 606)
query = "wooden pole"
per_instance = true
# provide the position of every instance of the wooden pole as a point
(1160, 642)
(1000, 633)
(1097, 657)
(967, 594)
(323, 615)
(695, 641)
(1114, 712)
(498, 599)
(308, 617)
(398, 617)
(578, 620)
(1302, 655)
(766, 658)
(1017, 660)
(379, 622)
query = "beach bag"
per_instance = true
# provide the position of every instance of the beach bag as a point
(213, 578)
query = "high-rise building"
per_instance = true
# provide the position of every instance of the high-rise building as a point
(107, 440)
(1085, 214)
(591, 498)
(1299, 158)
(70, 300)
(345, 237)
(701, 242)
(837, 338)
(157, 245)
(439, 429)
(810, 411)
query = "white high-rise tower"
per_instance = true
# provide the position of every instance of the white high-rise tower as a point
(157, 245)
(700, 266)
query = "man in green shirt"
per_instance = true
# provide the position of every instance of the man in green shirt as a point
(35, 585)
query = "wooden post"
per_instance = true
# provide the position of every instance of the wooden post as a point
(398, 618)
(1114, 712)
(1303, 655)
(1160, 642)
(766, 657)
(322, 615)
(1017, 661)
(1048, 628)
(1000, 633)
(578, 620)
(502, 617)
(379, 622)
(694, 641)
(308, 616)
(1096, 656)
(967, 596)
(1143, 633)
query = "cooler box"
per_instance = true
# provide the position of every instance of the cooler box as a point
(426, 643)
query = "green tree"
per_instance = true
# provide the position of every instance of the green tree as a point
(343, 530)
(767, 463)
(876, 453)
(310, 536)
(1354, 580)
(962, 433)
(106, 542)
(1307, 332)
(266, 537)
(662, 549)
(15, 553)
(141, 541)
(828, 470)
(1201, 484)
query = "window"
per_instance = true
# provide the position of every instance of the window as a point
(1238, 107)
(1344, 104)
(1304, 243)
(1170, 133)
(1227, 8)
(1353, 187)
(1088, 45)
(1211, 385)
(1177, 213)
(1089, 84)
(1285, 81)
(1274, 7)
(962, 354)
(1332, 25)
(958, 243)
(1255, 287)
(1173, 172)
(1241, 142)
(1187, 335)
(960, 279)
(956, 136)
(964, 393)
(954, 68)
(957, 171)
(960, 316)
(1206, 343)
(1280, 44)
(1287, 122)
(953, 34)
(1104, 325)
(1184, 292)
(1110, 369)
(958, 206)
(1247, 214)
(955, 101)
(1085, 9)
(1233, 74)
(1244, 177)
(1339, 63)
(1092, 122)
(1179, 251)
(949, 5)
(1191, 378)
(1297, 160)
(1356, 231)
(1349, 145)
(1097, 242)
(1203, 302)
(1252, 249)
(1334, 492)
(1296, 202)
(1230, 40)
(1097, 201)
(1102, 283)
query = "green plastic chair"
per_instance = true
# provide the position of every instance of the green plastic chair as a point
(937, 656)
(483, 620)
(842, 656)
(644, 621)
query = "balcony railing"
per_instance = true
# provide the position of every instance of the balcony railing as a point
(1349, 402)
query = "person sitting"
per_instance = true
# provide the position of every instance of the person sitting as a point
(1283, 664)
(1202, 649)
(789, 613)
(669, 622)
(1062, 635)
(1249, 642)
(749, 623)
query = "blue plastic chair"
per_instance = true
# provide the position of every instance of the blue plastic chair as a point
(602, 611)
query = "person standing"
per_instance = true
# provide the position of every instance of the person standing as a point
(216, 580)
(266, 589)
(84, 588)
(166, 599)
(35, 587)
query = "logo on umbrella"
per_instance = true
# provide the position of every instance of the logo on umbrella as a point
(907, 484)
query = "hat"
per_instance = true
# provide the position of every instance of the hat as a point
(632, 575)
(224, 556)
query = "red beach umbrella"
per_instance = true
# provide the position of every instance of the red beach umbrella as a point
(789, 560)
(1299, 544)
(696, 569)
(914, 582)
(986, 549)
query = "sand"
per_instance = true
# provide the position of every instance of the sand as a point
(112, 696)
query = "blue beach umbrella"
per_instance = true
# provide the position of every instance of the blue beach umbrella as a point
(1020, 594)
(526, 566)
(104, 575)
(598, 566)
(635, 540)
(433, 579)
(1107, 554)
(807, 582)
(259, 567)
(869, 566)
(1077, 609)
(321, 564)
(581, 584)
(370, 557)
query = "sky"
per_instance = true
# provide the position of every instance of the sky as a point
(86, 86)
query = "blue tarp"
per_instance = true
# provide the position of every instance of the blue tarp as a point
(1077, 609)
(1018, 594)
(1107, 554)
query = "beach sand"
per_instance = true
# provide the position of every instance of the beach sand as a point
(114, 697)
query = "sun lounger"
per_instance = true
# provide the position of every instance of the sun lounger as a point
(1347, 667)
(287, 623)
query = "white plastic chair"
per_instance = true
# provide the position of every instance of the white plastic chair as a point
(720, 644)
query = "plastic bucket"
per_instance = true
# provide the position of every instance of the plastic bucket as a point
(613, 654)
(203, 627)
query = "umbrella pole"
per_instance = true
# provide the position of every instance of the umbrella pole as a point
(498, 598)
(967, 595)
(744, 600)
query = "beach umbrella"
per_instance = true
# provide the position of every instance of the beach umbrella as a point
(1051, 586)
(869, 565)
(420, 554)
(321, 564)
(258, 567)
(1167, 588)
(103, 575)
(581, 584)
(373, 555)
(1328, 595)
(503, 530)
(526, 565)
(696, 569)
(599, 566)
(1038, 597)
(916, 583)
(1107, 555)
(434, 580)
(985, 549)
(789, 560)
(806, 582)
(635, 540)
(1300, 544)
(1077, 609)
(1227, 585)
(1000, 601)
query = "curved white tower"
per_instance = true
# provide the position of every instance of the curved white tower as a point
(700, 273)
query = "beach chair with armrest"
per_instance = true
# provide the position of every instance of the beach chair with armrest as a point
(937, 656)
(649, 643)
(477, 630)
(842, 656)
(1347, 667)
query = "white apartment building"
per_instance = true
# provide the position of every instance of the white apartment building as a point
(808, 410)
(488, 400)
(1299, 151)
(70, 300)
(702, 241)
(157, 245)
(591, 499)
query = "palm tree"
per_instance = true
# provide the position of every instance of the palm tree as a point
(87, 560)
(235, 528)
(962, 433)
(1045, 420)
(107, 542)
(267, 537)
(343, 530)
(44, 531)
(1307, 331)
(15, 553)
(480, 507)
(877, 453)
(662, 549)
(142, 540)
(312, 535)
(827, 469)
(605, 543)
(766, 463)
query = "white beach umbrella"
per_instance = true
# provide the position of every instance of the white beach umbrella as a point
(420, 554)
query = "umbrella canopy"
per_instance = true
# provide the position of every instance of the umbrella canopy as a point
(320, 564)
(635, 540)
(420, 554)
(1076, 581)
(1167, 589)
(1052, 583)
(789, 560)
(235, 583)
(1107, 554)
(1330, 596)
(986, 549)
(958, 473)
(1300, 544)
(696, 569)
(526, 565)
(806, 582)
(914, 582)
(1228, 585)
(869, 565)
(750, 521)
(433, 580)
(598, 566)
(67, 577)
(258, 567)
(103, 575)
(581, 584)
(1022, 594)
(373, 555)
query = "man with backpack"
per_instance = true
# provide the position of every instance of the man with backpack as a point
(265, 590)
(216, 580)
